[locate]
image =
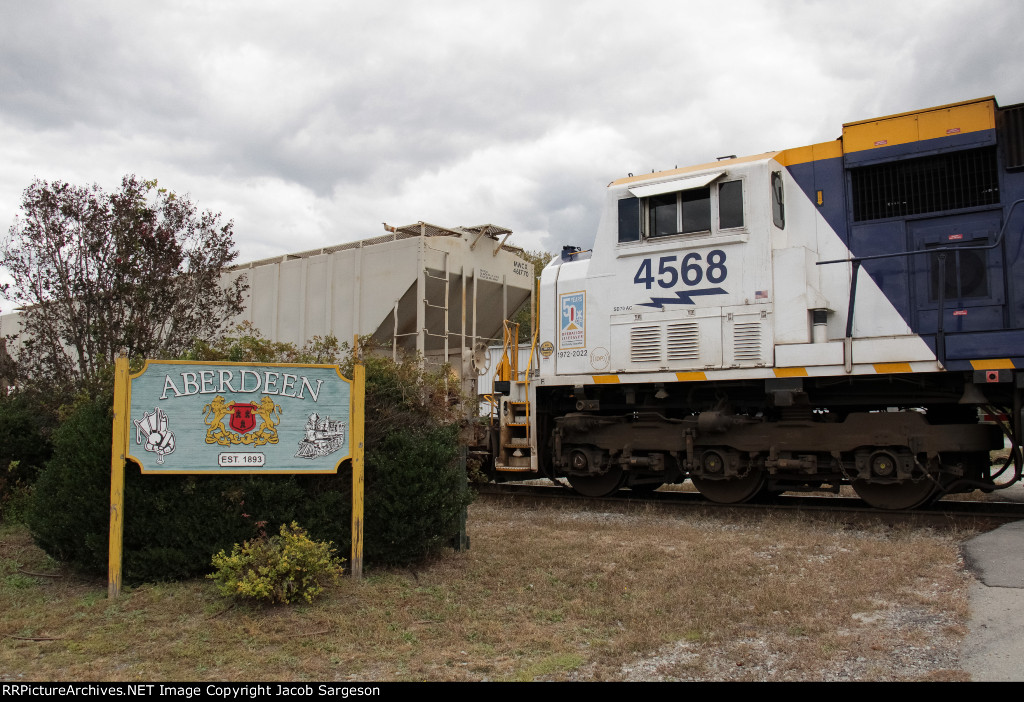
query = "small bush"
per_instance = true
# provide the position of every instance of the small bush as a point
(280, 568)
(415, 493)
(15, 505)
(70, 503)
(24, 449)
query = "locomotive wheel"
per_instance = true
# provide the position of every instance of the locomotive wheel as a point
(905, 495)
(598, 485)
(733, 490)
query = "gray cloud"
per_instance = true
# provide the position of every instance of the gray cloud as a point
(311, 124)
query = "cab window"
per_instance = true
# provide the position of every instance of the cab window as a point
(688, 211)
(730, 204)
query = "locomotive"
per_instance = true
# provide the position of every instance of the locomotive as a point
(845, 313)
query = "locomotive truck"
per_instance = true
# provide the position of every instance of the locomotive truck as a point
(849, 312)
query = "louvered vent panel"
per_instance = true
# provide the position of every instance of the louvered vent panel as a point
(747, 342)
(683, 342)
(947, 181)
(644, 344)
(1012, 137)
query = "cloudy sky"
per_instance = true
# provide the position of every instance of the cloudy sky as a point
(312, 123)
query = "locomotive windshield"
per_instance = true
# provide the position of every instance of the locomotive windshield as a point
(656, 211)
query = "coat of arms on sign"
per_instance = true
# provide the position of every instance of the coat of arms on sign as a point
(243, 417)
(249, 423)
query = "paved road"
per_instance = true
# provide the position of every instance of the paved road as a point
(994, 648)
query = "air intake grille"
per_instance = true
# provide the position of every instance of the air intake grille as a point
(683, 342)
(747, 342)
(927, 184)
(1011, 136)
(644, 344)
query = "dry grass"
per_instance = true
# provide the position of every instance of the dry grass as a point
(548, 593)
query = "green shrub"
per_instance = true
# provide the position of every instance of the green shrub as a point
(24, 449)
(16, 504)
(69, 514)
(280, 568)
(172, 523)
(415, 493)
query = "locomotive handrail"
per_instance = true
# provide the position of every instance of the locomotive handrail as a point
(856, 261)
(529, 369)
(997, 242)
(493, 407)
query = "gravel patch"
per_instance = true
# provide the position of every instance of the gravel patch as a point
(895, 644)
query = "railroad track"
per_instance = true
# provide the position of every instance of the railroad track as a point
(944, 513)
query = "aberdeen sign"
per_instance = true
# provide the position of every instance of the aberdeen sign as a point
(239, 418)
(185, 417)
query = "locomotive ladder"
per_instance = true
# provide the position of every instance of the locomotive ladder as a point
(515, 450)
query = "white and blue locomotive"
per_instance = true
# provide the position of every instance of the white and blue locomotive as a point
(840, 313)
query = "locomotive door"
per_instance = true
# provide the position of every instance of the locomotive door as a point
(974, 284)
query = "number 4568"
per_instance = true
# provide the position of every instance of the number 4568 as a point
(692, 270)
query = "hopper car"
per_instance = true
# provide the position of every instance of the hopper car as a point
(845, 313)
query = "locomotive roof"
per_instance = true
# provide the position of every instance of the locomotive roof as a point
(694, 169)
(930, 122)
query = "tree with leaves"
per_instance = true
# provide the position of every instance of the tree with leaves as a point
(137, 271)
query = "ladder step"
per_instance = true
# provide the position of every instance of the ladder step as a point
(514, 463)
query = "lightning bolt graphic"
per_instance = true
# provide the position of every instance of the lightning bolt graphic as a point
(683, 297)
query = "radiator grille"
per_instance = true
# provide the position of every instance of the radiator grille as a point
(644, 344)
(927, 184)
(683, 342)
(747, 342)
